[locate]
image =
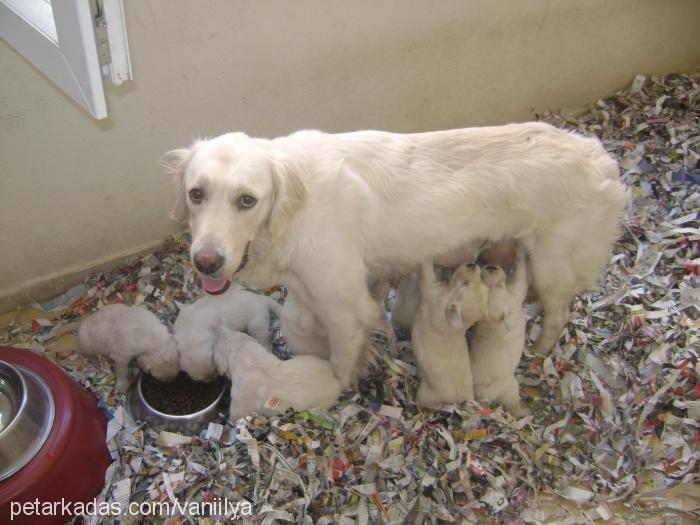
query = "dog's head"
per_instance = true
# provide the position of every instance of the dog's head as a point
(467, 296)
(231, 189)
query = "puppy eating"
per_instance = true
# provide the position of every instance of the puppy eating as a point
(195, 328)
(498, 339)
(263, 383)
(445, 313)
(123, 333)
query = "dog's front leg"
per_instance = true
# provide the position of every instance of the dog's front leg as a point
(347, 317)
(301, 328)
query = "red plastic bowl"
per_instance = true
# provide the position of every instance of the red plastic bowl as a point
(70, 466)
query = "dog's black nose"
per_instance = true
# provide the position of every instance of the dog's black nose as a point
(208, 262)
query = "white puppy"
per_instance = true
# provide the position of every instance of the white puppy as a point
(498, 339)
(197, 324)
(445, 313)
(320, 213)
(123, 333)
(263, 383)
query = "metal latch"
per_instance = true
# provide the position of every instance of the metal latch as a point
(112, 43)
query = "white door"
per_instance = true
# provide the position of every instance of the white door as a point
(73, 42)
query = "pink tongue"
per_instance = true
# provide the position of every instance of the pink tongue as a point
(213, 285)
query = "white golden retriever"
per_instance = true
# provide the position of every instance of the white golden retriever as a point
(446, 312)
(197, 326)
(498, 339)
(127, 332)
(319, 213)
(263, 383)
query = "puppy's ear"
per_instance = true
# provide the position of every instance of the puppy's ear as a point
(288, 195)
(175, 163)
(454, 315)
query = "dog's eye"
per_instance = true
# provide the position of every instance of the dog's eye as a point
(196, 195)
(247, 201)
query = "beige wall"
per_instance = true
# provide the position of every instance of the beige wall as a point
(75, 192)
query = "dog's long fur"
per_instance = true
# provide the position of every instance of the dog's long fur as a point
(197, 326)
(124, 333)
(257, 377)
(498, 339)
(446, 312)
(332, 209)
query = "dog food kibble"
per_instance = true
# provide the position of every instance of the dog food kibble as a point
(182, 395)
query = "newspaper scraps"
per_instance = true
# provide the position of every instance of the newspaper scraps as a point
(614, 430)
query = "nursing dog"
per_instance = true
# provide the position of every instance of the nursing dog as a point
(320, 213)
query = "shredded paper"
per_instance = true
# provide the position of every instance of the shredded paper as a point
(614, 427)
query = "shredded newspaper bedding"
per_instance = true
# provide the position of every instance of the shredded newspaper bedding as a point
(615, 424)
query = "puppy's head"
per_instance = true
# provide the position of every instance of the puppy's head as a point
(467, 297)
(494, 278)
(231, 189)
(162, 362)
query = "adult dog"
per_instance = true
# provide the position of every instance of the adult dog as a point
(320, 213)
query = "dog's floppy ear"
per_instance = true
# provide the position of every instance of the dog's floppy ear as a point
(288, 195)
(175, 162)
(453, 313)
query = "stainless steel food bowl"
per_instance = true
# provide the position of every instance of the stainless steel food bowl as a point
(141, 410)
(27, 413)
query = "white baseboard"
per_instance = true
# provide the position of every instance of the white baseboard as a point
(54, 284)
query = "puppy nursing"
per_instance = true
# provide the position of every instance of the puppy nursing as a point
(263, 383)
(197, 326)
(124, 333)
(445, 313)
(498, 339)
